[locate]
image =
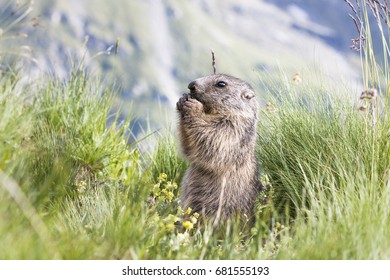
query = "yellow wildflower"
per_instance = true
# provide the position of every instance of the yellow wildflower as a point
(189, 210)
(188, 225)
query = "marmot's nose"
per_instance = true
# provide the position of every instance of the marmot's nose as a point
(191, 85)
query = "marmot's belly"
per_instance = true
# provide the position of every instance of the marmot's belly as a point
(213, 195)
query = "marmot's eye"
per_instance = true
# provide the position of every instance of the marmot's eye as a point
(221, 84)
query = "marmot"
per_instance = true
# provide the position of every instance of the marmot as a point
(217, 128)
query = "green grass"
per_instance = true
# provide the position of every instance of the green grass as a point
(72, 185)
(73, 188)
(331, 171)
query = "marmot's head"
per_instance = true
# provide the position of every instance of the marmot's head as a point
(225, 95)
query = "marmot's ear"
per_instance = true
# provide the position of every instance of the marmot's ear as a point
(247, 94)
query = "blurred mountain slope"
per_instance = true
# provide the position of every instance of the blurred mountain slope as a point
(164, 44)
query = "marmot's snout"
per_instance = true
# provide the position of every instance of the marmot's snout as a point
(191, 86)
(194, 89)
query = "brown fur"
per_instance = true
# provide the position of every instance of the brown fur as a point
(218, 135)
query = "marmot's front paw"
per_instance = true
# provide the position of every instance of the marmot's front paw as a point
(192, 107)
(189, 106)
(180, 103)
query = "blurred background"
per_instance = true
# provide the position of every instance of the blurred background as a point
(164, 44)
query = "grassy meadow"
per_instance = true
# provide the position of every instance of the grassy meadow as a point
(72, 185)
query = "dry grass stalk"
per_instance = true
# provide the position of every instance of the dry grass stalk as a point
(213, 58)
(380, 11)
